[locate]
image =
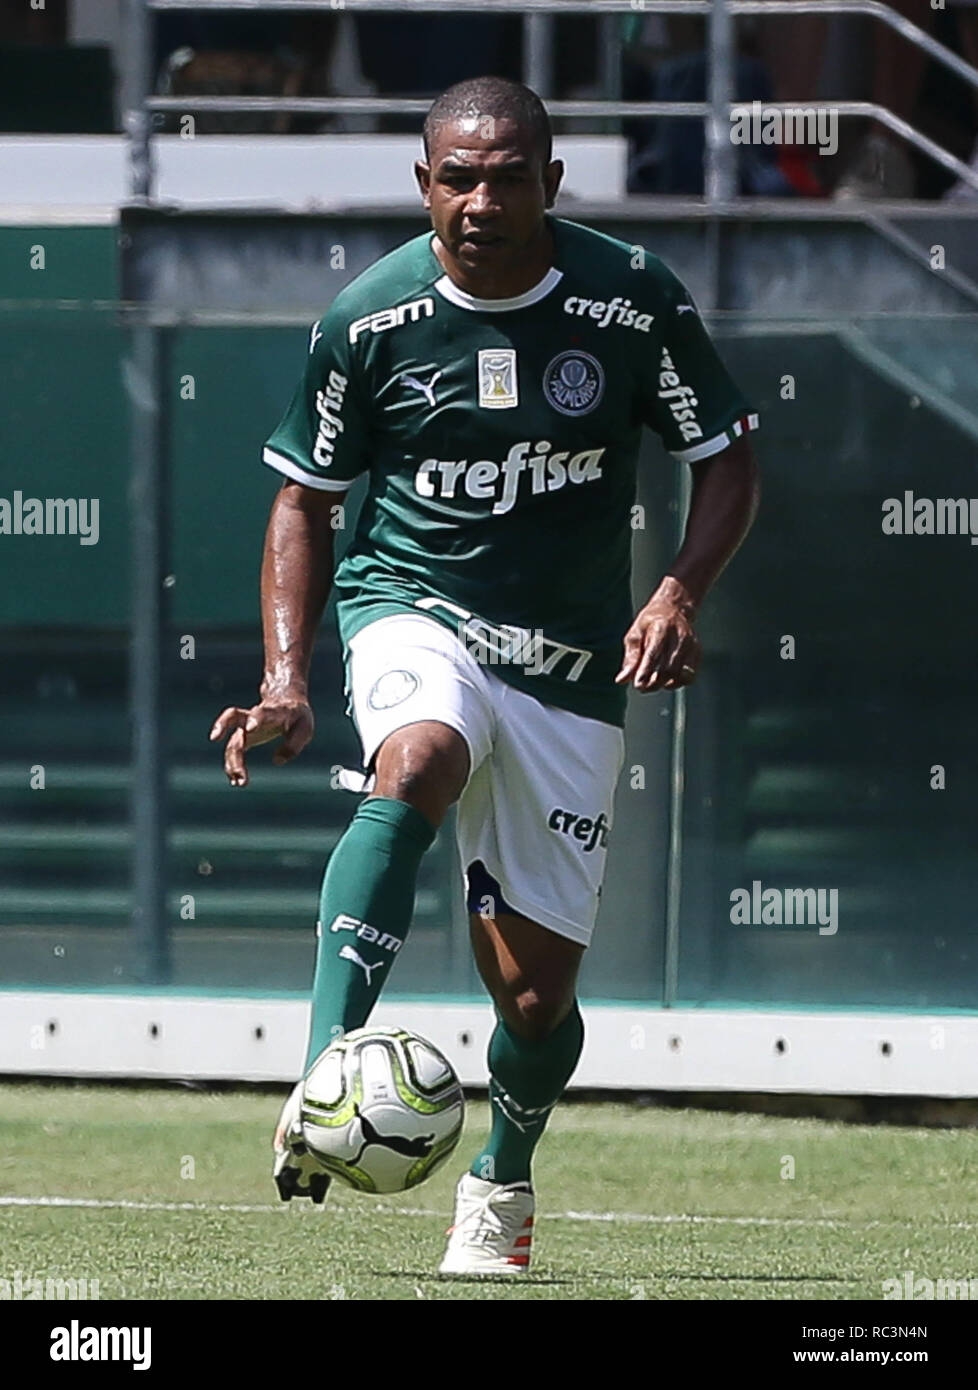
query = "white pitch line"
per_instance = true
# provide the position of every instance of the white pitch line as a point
(107, 1204)
(625, 1217)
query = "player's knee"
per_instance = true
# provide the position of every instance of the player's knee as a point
(423, 767)
(535, 1013)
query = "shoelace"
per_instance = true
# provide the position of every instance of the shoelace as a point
(489, 1220)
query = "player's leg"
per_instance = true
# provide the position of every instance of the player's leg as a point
(366, 906)
(369, 886)
(531, 974)
(421, 712)
(418, 710)
(533, 832)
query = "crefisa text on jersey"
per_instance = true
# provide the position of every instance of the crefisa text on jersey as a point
(618, 309)
(679, 398)
(329, 403)
(549, 473)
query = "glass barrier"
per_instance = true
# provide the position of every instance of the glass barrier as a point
(796, 830)
(64, 580)
(829, 815)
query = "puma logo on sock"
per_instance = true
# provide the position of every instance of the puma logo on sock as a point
(351, 953)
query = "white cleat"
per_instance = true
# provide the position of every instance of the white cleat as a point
(493, 1228)
(296, 1172)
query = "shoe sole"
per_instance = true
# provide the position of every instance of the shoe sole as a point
(287, 1183)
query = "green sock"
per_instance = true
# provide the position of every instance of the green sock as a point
(365, 910)
(526, 1079)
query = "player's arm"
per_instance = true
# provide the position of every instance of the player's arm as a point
(704, 421)
(296, 574)
(320, 447)
(662, 651)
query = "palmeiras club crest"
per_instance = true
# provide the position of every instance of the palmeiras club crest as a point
(574, 382)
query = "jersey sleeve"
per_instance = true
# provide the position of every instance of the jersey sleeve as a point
(321, 440)
(691, 400)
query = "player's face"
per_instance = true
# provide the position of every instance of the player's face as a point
(487, 189)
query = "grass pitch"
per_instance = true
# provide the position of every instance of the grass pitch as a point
(633, 1203)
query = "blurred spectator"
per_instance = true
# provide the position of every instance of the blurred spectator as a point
(792, 60)
(805, 55)
(245, 55)
(882, 166)
(792, 48)
(666, 154)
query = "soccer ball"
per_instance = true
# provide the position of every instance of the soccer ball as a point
(381, 1109)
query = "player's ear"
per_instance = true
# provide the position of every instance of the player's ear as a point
(422, 172)
(551, 180)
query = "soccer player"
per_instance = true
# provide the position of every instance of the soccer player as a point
(491, 378)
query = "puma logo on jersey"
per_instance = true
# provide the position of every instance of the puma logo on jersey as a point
(343, 922)
(384, 319)
(685, 309)
(350, 953)
(427, 388)
(481, 479)
(619, 310)
(679, 398)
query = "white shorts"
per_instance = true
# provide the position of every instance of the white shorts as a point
(537, 806)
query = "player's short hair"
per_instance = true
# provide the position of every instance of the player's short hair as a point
(498, 98)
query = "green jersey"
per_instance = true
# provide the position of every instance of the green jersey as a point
(500, 439)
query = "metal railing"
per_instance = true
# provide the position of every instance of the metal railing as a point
(720, 183)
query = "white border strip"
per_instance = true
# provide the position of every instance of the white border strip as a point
(281, 464)
(301, 173)
(718, 442)
(51, 215)
(463, 300)
(243, 1039)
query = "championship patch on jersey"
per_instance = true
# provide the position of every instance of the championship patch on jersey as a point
(498, 388)
(574, 382)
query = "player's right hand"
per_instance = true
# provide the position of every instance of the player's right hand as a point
(284, 715)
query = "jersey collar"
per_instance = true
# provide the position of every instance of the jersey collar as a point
(463, 300)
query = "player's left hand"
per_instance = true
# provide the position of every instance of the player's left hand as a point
(662, 652)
